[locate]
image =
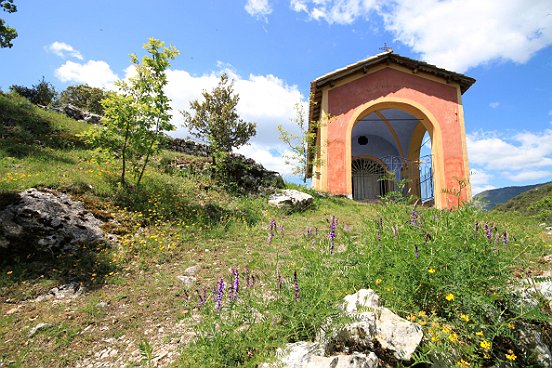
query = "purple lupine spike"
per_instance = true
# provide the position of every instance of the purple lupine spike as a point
(269, 238)
(379, 236)
(272, 226)
(476, 229)
(488, 232)
(505, 238)
(380, 221)
(220, 293)
(279, 281)
(413, 217)
(200, 300)
(236, 285)
(331, 235)
(295, 286)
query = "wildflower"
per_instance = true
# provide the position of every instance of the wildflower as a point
(281, 231)
(465, 317)
(269, 239)
(511, 356)
(488, 232)
(331, 235)
(479, 333)
(272, 226)
(485, 345)
(220, 293)
(411, 317)
(308, 232)
(378, 281)
(511, 326)
(505, 238)
(422, 314)
(9, 273)
(431, 270)
(453, 337)
(449, 297)
(463, 364)
(476, 228)
(413, 217)
(236, 285)
(295, 286)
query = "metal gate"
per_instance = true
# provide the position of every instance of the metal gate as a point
(368, 180)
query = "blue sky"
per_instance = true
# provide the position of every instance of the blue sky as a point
(274, 48)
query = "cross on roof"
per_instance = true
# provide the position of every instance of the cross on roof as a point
(386, 48)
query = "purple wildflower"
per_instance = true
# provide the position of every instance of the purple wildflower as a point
(488, 232)
(427, 238)
(379, 236)
(295, 286)
(331, 235)
(201, 300)
(505, 238)
(272, 226)
(281, 231)
(236, 285)
(269, 239)
(413, 217)
(476, 229)
(220, 293)
(380, 221)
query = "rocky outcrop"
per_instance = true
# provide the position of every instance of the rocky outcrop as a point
(47, 221)
(291, 198)
(376, 338)
(78, 114)
(243, 174)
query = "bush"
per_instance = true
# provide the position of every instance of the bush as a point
(42, 93)
(85, 97)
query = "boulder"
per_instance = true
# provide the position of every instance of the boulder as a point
(291, 198)
(73, 112)
(91, 118)
(47, 221)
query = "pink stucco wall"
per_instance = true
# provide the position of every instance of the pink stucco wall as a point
(438, 98)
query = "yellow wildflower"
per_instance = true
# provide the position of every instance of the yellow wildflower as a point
(449, 297)
(479, 333)
(465, 317)
(411, 317)
(485, 345)
(511, 326)
(453, 338)
(9, 273)
(511, 356)
(431, 270)
(378, 281)
(462, 363)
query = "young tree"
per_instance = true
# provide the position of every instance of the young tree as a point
(297, 143)
(85, 97)
(216, 121)
(7, 33)
(136, 117)
(42, 93)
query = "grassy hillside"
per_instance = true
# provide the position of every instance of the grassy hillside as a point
(450, 271)
(494, 197)
(536, 202)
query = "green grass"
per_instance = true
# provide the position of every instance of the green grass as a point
(183, 218)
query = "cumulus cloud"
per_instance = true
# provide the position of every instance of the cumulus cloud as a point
(519, 157)
(453, 34)
(480, 181)
(94, 73)
(258, 8)
(64, 50)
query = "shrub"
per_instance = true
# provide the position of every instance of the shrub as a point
(85, 97)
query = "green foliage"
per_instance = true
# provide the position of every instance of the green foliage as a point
(7, 33)
(42, 93)
(216, 121)
(136, 117)
(297, 143)
(536, 203)
(85, 97)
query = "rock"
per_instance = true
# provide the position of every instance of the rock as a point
(101, 305)
(91, 118)
(47, 221)
(192, 270)
(531, 342)
(188, 281)
(40, 326)
(65, 291)
(73, 112)
(291, 198)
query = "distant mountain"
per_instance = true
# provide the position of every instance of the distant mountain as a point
(489, 199)
(536, 202)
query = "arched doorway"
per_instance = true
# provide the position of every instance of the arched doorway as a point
(368, 179)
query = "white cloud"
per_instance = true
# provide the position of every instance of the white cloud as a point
(94, 73)
(258, 8)
(335, 11)
(459, 34)
(480, 181)
(453, 34)
(64, 50)
(265, 157)
(528, 175)
(494, 104)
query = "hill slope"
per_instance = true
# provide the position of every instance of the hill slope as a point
(492, 198)
(536, 202)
